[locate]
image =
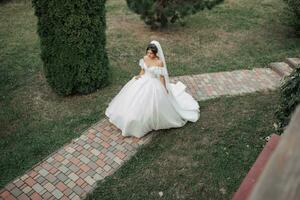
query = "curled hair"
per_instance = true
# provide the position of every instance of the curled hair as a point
(153, 48)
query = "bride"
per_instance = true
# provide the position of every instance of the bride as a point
(149, 101)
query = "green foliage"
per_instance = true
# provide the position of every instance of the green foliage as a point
(289, 98)
(158, 13)
(294, 6)
(72, 35)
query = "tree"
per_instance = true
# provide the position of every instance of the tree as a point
(158, 13)
(72, 37)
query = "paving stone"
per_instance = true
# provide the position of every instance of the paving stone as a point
(109, 161)
(58, 194)
(70, 150)
(95, 152)
(76, 154)
(107, 168)
(97, 177)
(69, 156)
(16, 192)
(93, 165)
(293, 62)
(282, 68)
(115, 165)
(61, 186)
(22, 197)
(19, 183)
(35, 196)
(118, 160)
(80, 182)
(94, 158)
(74, 196)
(99, 171)
(74, 168)
(86, 153)
(85, 160)
(91, 172)
(73, 176)
(63, 169)
(89, 180)
(50, 160)
(88, 188)
(68, 165)
(24, 177)
(95, 145)
(83, 175)
(47, 195)
(49, 187)
(62, 177)
(26, 189)
(68, 192)
(78, 190)
(38, 188)
(71, 184)
(30, 182)
(51, 178)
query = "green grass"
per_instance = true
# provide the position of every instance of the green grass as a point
(34, 121)
(239, 34)
(203, 160)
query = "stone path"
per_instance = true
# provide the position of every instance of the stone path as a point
(212, 85)
(72, 171)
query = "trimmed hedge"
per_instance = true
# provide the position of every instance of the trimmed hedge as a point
(289, 98)
(72, 35)
(158, 13)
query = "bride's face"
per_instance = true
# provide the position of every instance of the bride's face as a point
(150, 54)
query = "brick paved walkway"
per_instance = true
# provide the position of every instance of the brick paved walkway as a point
(212, 85)
(72, 171)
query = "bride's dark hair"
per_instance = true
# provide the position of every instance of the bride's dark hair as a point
(153, 48)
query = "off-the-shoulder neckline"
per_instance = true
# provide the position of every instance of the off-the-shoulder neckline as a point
(150, 66)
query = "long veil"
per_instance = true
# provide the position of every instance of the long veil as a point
(162, 58)
(183, 102)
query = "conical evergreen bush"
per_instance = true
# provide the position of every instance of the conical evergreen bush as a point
(72, 36)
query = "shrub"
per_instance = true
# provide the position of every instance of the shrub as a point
(72, 36)
(289, 98)
(158, 13)
(294, 6)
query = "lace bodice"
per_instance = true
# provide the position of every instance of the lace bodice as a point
(153, 71)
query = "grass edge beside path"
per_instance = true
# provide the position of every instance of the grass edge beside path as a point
(203, 160)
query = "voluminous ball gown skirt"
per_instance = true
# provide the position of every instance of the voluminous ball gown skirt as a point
(143, 105)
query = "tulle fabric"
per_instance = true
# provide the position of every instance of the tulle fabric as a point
(143, 104)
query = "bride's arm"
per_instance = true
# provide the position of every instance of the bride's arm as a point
(142, 72)
(163, 81)
(162, 78)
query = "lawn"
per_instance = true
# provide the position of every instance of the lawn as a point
(34, 121)
(203, 160)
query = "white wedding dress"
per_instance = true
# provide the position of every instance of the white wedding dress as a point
(143, 104)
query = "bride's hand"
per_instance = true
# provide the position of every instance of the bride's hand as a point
(137, 77)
